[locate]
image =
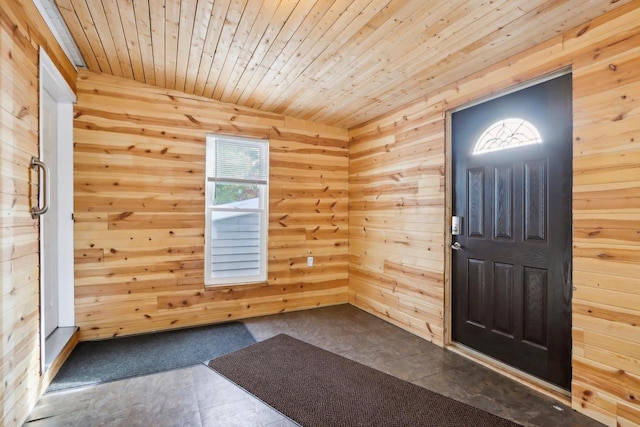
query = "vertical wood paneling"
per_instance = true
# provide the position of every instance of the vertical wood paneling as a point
(93, 55)
(111, 35)
(362, 58)
(157, 28)
(139, 185)
(604, 55)
(22, 33)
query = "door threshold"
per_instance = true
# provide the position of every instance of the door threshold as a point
(56, 342)
(544, 387)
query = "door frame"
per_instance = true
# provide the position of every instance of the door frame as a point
(496, 365)
(51, 80)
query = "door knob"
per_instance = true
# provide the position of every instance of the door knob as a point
(456, 246)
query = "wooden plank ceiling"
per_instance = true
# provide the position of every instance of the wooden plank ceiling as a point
(340, 62)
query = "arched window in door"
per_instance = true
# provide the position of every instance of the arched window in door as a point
(507, 133)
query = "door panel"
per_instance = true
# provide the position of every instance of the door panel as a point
(502, 206)
(535, 196)
(49, 221)
(503, 298)
(511, 280)
(476, 202)
(476, 292)
(535, 297)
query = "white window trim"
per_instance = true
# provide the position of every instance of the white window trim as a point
(264, 220)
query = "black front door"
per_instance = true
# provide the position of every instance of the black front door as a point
(511, 285)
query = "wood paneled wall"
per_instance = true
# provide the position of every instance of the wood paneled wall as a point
(398, 207)
(139, 207)
(396, 221)
(22, 32)
(606, 221)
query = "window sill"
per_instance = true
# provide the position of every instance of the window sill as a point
(218, 286)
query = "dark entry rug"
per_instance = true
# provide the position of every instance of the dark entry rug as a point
(318, 388)
(94, 362)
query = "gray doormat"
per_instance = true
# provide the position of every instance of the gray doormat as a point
(94, 362)
(315, 387)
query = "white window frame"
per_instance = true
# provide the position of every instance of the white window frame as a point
(263, 209)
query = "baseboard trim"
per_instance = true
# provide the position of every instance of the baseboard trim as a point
(548, 389)
(56, 364)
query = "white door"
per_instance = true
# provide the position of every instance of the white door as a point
(49, 221)
(56, 224)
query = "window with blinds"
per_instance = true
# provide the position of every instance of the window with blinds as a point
(237, 195)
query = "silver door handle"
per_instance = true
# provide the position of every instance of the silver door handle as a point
(40, 210)
(457, 246)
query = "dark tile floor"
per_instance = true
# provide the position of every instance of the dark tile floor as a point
(197, 396)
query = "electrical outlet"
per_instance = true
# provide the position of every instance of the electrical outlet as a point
(310, 261)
